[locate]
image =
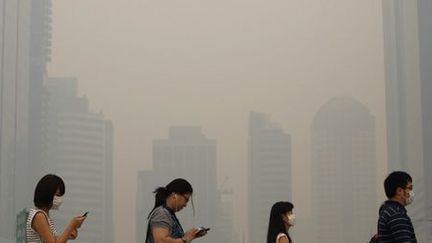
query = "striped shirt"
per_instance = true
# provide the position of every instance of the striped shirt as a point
(31, 235)
(394, 225)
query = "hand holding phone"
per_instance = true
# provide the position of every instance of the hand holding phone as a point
(202, 231)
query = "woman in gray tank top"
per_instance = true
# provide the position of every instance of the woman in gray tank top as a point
(163, 225)
(39, 227)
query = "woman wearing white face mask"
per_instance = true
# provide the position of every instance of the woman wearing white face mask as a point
(281, 219)
(40, 228)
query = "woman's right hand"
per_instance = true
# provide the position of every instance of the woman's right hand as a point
(191, 234)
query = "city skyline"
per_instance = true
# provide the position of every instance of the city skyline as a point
(147, 66)
(154, 66)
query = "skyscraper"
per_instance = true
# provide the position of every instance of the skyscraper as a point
(407, 38)
(269, 172)
(425, 50)
(224, 223)
(14, 88)
(77, 146)
(343, 172)
(188, 154)
(40, 55)
(148, 181)
(403, 89)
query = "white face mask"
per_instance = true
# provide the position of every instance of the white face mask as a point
(291, 219)
(57, 201)
(411, 198)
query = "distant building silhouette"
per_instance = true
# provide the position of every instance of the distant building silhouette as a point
(189, 154)
(425, 50)
(343, 172)
(270, 174)
(15, 61)
(77, 146)
(224, 223)
(40, 54)
(407, 38)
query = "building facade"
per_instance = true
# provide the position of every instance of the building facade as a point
(343, 172)
(78, 146)
(270, 175)
(14, 112)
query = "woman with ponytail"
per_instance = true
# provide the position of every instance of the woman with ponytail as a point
(281, 219)
(163, 225)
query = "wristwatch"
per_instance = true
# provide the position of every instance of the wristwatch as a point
(184, 240)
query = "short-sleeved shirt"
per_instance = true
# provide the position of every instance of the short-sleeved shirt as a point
(162, 217)
(394, 224)
(31, 235)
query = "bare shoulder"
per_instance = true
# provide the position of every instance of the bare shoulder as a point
(39, 220)
(283, 239)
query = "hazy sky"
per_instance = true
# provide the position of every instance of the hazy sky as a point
(153, 64)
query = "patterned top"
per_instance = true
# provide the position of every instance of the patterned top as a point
(31, 235)
(394, 225)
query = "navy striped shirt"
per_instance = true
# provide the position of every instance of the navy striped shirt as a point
(394, 225)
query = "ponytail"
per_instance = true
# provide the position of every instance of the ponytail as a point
(161, 194)
(178, 185)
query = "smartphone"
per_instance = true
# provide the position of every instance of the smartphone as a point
(202, 230)
(85, 214)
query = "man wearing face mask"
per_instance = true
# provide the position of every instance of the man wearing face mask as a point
(394, 224)
(40, 227)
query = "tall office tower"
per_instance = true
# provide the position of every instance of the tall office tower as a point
(40, 55)
(425, 50)
(343, 171)
(224, 222)
(147, 183)
(77, 146)
(188, 154)
(403, 89)
(407, 38)
(269, 172)
(14, 88)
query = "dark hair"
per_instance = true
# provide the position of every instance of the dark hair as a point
(395, 180)
(276, 224)
(46, 189)
(179, 185)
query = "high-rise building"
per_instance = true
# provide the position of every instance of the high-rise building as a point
(147, 183)
(343, 172)
(270, 175)
(407, 38)
(188, 154)
(224, 222)
(14, 88)
(40, 55)
(425, 51)
(77, 146)
(403, 89)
